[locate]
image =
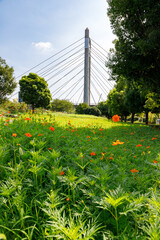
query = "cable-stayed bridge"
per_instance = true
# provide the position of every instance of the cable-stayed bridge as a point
(76, 73)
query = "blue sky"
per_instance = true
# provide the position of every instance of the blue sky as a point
(33, 30)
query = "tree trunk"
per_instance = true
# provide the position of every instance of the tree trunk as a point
(146, 117)
(125, 119)
(132, 118)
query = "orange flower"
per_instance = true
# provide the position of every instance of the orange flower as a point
(115, 118)
(67, 199)
(153, 138)
(117, 142)
(27, 119)
(134, 156)
(88, 137)
(139, 145)
(62, 173)
(134, 170)
(155, 161)
(148, 146)
(14, 134)
(40, 134)
(28, 134)
(49, 148)
(6, 120)
(51, 128)
(8, 111)
(63, 136)
(5, 124)
(101, 129)
(93, 154)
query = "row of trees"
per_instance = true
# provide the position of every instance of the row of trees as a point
(126, 99)
(134, 62)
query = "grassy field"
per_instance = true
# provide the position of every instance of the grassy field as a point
(78, 177)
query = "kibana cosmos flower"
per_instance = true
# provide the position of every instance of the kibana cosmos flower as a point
(134, 170)
(93, 154)
(67, 199)
(153, 138)
(117, 142)
(139, 145)
(40, 134)
(61, 173)
(28, 134)
(14, 134)
(115, 118)
(155, 161)
(51, 128)
(27, 119)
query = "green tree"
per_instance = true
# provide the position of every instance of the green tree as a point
(62, 106)
(116, 103)
(134, 101)
(103, 107)
(137, 54)
(34, 90)
(7, 81)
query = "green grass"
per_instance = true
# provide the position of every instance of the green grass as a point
(74, 183)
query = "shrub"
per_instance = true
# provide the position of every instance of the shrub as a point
(15, 107)
(93, 111)
(62, 106)
(80, 109)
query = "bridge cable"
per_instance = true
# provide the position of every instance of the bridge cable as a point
(50, 57)
(104, 77)
(101, 78)
(64, 66)
(76, 83)
(99, 46)
(64, 75)
(64, 85)
(58, 62)
(98, 83)
(67, 82)
(78, 90)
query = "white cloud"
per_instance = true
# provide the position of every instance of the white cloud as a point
(43, 46)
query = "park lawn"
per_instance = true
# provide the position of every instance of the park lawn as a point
(78, 177)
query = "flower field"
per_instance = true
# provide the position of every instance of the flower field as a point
(78, 177)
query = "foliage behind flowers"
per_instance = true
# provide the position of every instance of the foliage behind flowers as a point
(78, 177)
(15, 107)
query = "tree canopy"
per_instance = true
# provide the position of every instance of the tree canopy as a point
(34, 90)
(7, 81)
(137, 54)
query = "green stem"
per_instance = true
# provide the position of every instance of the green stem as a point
(116, 215)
